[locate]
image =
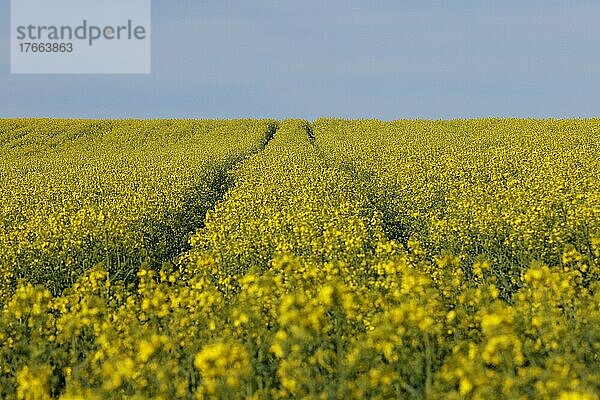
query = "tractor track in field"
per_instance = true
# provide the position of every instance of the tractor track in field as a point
(222, 182)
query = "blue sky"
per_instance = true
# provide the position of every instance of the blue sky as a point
(389, 60)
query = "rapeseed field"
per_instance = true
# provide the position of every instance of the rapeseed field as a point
(285, 259)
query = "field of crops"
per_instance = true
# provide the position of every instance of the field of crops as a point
(285, 259)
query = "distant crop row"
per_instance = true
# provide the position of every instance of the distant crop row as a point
(339, 259)
(516, 191)
(77, 193)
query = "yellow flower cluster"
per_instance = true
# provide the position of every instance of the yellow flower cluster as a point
(223, 367)
(347, 259)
